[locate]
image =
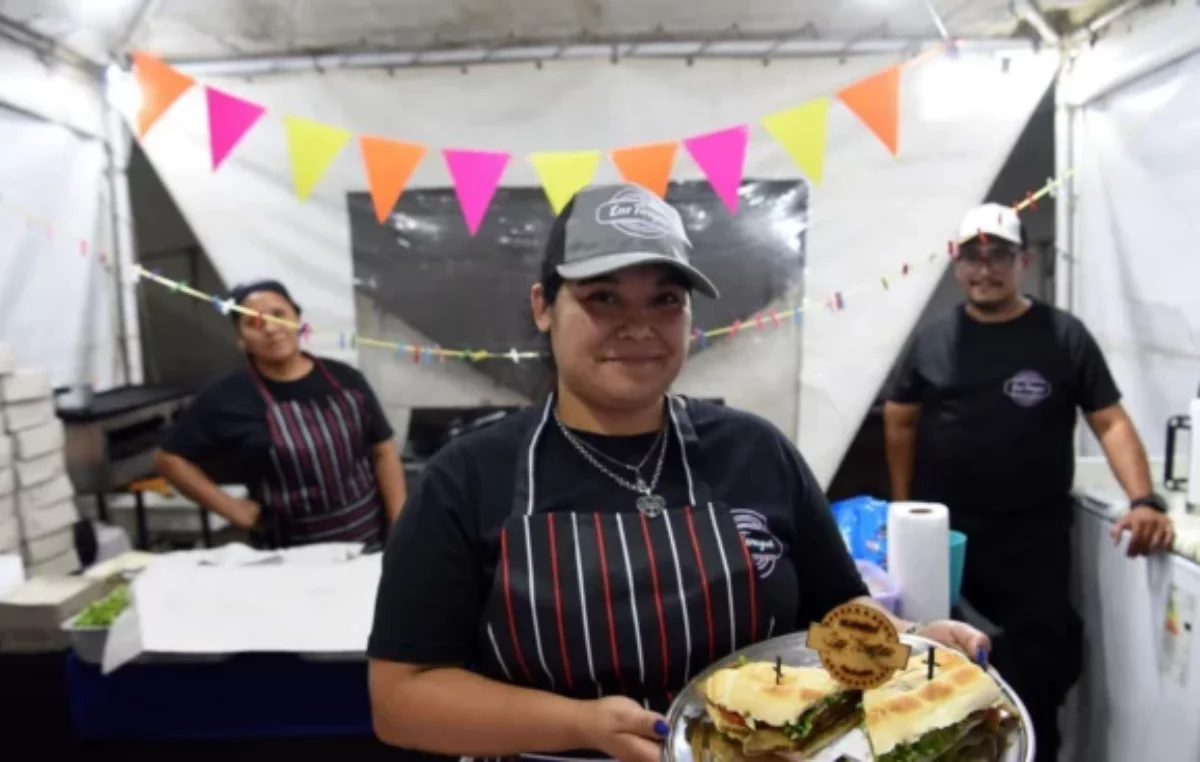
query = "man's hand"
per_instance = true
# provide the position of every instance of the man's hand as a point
(1150, 531)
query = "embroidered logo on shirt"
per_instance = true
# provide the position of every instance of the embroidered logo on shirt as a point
(1027, 388)
(765, 548)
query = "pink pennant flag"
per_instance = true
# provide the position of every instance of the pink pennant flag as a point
(476, 176)
(722, 157)
(229, 119)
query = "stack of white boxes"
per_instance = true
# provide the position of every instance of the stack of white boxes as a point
(44, 498)
(10, 531)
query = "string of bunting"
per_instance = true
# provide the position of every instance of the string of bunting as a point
(802, 130)
(425, 354)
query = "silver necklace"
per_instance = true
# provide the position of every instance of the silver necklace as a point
(649, 503)
(637, 470)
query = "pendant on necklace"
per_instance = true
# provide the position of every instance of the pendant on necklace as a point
(651, 505)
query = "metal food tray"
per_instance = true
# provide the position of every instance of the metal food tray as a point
(794, 652)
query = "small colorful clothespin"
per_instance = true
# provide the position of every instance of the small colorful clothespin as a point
(401, 349)
(904, 269)
(1051, 187)
(839, 303)
(305, 331)
(221, 305)
(758, 321)
(700, 337)
(426, 356)
(515, 356)
(1030, 201)
(775, 318)
(883, 279)
(797, 311)
(735, 328)
(341, 340)
(176, 285)
(952, 249)
(83, 247)
(416, 353)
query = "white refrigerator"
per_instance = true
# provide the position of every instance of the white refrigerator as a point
(1139, 697)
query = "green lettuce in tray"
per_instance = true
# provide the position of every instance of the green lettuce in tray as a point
(104, 612)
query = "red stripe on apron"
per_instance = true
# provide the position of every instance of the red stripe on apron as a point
(708, 612)
(658, 606)
(512, 620)
(558, 610)
(612, 627)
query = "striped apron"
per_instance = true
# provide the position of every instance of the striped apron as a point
(321, 487)
(616, 603)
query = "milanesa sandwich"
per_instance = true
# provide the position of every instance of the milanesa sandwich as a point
(760, 708)
(958, 716)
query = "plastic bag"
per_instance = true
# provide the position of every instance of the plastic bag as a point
(863, 523)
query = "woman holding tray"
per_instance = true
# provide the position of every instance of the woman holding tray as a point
(556, 578)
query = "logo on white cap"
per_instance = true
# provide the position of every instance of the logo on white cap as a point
(640, 214)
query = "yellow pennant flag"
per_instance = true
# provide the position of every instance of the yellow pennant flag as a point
(802, 131)
(312, 147)
(564, 173)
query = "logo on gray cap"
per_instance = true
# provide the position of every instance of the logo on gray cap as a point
(640, 214)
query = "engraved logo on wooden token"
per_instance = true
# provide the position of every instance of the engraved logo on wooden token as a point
(858, 645)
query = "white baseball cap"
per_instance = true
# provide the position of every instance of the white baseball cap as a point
(992, 220)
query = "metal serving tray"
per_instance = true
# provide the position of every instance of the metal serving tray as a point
(792, 649)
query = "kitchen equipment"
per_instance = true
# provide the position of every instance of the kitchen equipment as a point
(794, 652)
(1190, 482)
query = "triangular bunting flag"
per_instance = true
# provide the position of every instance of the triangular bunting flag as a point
(476, 175)
(649, 166)
(564, 173)
(389, 165)
(312, 147)
(802, 131)
(876, 101)
(160, 85)
(722, 156)
(229, 119)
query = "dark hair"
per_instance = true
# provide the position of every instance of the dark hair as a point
(551, 282)
(241, 293)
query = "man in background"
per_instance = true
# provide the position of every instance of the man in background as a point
(983, 420)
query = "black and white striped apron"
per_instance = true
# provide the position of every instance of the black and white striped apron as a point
(322, 487)
(616, 603)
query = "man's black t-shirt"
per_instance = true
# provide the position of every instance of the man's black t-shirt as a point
(440, 559)
(224, 431)
(998, 412)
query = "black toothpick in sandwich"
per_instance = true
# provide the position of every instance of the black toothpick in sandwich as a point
(930, 662)
(778, 670)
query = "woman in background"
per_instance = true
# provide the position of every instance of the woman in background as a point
(306, 436)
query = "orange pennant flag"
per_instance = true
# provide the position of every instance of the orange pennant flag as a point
(160, 85)
(876, 101)
(648, 165)
(389, 165)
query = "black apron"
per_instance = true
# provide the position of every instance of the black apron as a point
(322, 486)
(614, 602)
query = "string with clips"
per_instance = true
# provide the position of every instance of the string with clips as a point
(426, 354)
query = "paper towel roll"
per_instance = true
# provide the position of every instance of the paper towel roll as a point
(918, 558)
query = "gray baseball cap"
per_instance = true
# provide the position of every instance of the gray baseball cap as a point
(617, 226)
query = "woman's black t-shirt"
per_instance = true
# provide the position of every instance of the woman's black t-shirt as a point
(441, 556)
(224, 431)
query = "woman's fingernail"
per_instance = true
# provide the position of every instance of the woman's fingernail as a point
(981, 656)
(661, 728)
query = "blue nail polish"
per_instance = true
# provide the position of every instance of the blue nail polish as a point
(981, 656)
(661, 728)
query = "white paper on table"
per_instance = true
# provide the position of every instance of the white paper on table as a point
(123, 643)
(239, 554)
(12, 573)
(292, 608)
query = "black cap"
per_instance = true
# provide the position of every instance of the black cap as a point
(243, 291)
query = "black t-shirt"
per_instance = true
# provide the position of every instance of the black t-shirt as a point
(224, 431)
(441, 556)
(998, 412)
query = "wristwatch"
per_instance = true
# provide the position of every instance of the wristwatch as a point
(1150, 501)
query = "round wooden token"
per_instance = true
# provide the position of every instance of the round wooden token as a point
(859, 646)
